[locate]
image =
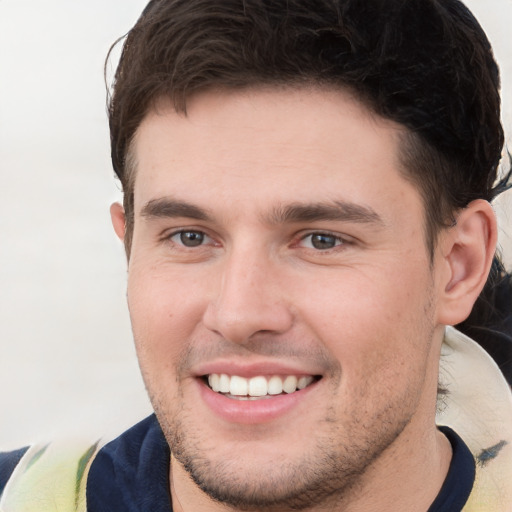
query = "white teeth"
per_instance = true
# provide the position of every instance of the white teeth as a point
(224, 383)
(238, 386)
(213, 380)
(290, 384)
(257, 386)
(304, 382)
(275, 386)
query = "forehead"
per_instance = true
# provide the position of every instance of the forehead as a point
(260, 149)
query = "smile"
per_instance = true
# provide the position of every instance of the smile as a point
(241, 388)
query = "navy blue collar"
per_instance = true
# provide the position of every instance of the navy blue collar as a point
(460, 479)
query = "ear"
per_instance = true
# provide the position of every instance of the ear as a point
(118, 220)
(467, 250)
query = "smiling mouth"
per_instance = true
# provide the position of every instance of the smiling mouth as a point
(257, 388)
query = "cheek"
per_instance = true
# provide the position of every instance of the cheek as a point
(378, 322)
(164, 314)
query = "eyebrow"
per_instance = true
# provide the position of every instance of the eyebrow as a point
(168, 208)
(336, 211)
(296, 212)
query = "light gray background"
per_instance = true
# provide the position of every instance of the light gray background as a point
(67, 363)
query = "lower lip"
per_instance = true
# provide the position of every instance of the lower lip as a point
(249, 412)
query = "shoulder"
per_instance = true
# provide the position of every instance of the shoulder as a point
(51, 475)
(131, 473)
(477, 404)
(8, 463)
(139, 446)
(127, 474)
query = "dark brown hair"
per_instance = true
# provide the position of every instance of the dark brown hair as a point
(425, 64)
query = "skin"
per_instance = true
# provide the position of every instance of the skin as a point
(364, 313)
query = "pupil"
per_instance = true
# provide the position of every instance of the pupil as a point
(323, 241)
(191, 238)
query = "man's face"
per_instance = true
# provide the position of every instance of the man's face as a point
(276, 245)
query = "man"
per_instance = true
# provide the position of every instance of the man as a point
(306, 210)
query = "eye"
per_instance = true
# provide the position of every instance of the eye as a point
(190, 238)
(321, 241)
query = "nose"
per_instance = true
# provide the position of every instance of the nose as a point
(249, 300)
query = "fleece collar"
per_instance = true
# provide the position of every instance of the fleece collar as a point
(478, 406)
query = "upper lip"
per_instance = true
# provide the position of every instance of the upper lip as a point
(253, 369)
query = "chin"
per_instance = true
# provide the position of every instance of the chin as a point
(258, 473)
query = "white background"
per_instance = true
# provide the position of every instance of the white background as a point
(67, 363)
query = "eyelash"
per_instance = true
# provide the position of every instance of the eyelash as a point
(181, 232)
(338, 240)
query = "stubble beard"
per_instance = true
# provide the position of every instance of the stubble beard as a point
(326, 476)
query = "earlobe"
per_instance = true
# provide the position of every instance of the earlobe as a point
(468, 249)
(118, 220)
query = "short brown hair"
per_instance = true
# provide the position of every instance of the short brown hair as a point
(425, 64)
